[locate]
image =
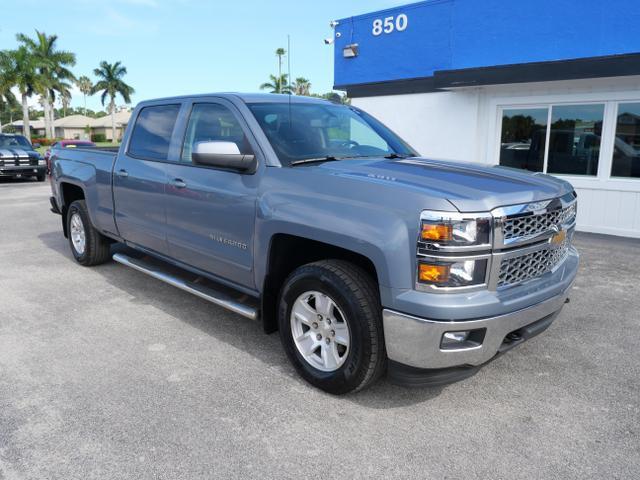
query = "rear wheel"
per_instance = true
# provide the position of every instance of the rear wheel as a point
(331, 327)
(89, 247)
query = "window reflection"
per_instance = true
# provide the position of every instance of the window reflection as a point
(523, 138)
(626, 150)
(574, 142)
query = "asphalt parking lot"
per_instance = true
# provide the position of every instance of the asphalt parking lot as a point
(106, 373)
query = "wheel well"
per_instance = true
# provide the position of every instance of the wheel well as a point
(70, 193)
(288, 252)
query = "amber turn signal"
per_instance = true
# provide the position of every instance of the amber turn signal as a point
(436, 231)
(433, 273)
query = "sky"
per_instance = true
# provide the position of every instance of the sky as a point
(177, 47)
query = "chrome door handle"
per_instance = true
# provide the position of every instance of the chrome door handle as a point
(178, 183)
(122, 173)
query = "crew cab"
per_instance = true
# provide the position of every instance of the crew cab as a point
(321, 223)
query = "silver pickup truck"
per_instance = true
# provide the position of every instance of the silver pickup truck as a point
(323, 224)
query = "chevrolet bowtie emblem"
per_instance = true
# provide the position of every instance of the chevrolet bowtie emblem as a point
(559, 236)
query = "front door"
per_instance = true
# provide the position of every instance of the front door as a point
(211, 211)
(140, 178)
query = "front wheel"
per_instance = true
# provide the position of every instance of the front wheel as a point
(331, 327)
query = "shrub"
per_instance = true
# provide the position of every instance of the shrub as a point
(44, 142)
(98, 137)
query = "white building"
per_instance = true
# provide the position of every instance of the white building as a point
(458, 82)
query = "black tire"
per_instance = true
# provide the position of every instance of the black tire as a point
(355, 293)
(96, 245)
(41, 177)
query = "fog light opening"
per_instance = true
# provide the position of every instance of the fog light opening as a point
(462, 339)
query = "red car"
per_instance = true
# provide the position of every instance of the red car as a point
(60, 144)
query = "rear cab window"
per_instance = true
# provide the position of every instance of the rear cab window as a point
(151, 136)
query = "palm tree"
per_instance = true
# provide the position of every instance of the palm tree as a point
(52, 70)
(111, 83)
(85, 86)
(7, 81)
(65, 101)
(22, 66)
(301, 86)
(277, 84)
(280, 52)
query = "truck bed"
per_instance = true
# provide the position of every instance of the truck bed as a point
(90, 167)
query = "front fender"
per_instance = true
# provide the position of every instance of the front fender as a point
(366, 229)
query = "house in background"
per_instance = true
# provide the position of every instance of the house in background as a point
(36, 127)
(74, 127)
(548, 86)
(102, 125)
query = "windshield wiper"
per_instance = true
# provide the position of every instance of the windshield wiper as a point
(395, 155)
(326, 158)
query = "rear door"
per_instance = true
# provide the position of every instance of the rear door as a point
(211, 211)
(140, 177)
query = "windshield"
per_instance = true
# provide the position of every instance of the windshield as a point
(14, 141)
(306, 131)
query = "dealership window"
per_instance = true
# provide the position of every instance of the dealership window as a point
(626, 149)
(574, 141)
(573, 132)
(523, 138)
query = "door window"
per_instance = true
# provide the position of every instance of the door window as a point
(152, 132)
(213, 122)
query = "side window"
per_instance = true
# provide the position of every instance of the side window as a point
(151, 135)
(211, 122)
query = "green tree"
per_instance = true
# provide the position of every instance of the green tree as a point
(277, 84)
(337, 98)
(52, 69)
(7, 82)
(111, 84)
(21, 68)
(85, 86)
(301, 86)
(280, 52)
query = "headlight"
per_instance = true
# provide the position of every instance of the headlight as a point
(447, 230)
(42, 161)
(452, 273)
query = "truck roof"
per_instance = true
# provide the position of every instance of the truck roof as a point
(247, 98)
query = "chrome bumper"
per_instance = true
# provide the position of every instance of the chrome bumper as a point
(415, 341)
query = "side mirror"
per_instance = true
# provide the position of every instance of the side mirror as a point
(223, 155)
(36, 145)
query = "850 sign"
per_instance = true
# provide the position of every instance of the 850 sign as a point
(390, 24)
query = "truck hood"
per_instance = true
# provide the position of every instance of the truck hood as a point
(13, 153)
(469, 187)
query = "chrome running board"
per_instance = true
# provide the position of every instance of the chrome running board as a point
(179, 279)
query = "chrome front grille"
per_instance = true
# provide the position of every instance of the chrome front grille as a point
(518, 269)
(532, 224)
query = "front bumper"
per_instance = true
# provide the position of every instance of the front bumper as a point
(416, 342)
(24, 170)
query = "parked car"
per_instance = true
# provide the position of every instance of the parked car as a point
(18, 158)
(60, 144)
(323, 224)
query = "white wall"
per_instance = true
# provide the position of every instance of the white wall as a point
(439, 125)
(464, 124)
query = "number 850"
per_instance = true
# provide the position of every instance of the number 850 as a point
(388, 25)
